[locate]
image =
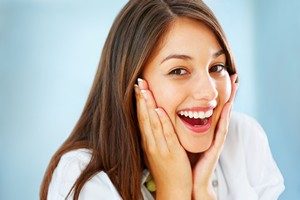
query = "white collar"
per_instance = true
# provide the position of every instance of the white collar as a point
(145, 176)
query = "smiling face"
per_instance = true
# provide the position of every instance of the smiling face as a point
(188, 78)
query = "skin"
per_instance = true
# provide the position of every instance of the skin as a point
(182, 161)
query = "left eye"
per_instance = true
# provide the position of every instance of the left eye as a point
(217, 68)
(178, 71)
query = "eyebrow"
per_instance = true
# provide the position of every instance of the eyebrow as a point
(186, 57)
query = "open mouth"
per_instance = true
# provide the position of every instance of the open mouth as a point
(195, 122)
(198, 122)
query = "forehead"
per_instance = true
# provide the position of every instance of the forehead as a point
(188, 36)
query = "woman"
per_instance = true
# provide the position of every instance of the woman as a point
(170, 136)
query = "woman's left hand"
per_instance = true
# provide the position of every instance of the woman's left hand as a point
(205, 166)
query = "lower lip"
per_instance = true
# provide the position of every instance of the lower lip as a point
(198, 129)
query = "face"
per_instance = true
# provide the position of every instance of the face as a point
(188, 78)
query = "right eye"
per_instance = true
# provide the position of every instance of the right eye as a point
(217, 68)
(178, 72)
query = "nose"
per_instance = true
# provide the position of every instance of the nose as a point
(204, 88)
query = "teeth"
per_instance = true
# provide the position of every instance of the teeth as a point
(191, 114)
(196, 115)
(201, 115)
(186, 113)
(208, 113)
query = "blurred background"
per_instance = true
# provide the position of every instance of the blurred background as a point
(49, 51)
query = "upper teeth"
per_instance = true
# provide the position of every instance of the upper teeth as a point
(196, 115)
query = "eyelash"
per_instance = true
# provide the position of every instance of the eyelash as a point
(213, 69)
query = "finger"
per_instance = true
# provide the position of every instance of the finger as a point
(143, 119)
(234, 87)
(228, 105)
(224, 120)
(168, 130)
(156, 126)
(143, 85)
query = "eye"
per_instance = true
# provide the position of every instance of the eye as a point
(217, 68)
(178, 72)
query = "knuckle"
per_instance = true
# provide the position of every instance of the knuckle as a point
(168, 134)
(169, 138)
(143, 119)
(155, 126)
(139, 96)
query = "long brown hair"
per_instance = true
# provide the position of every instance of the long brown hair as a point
(108, 124)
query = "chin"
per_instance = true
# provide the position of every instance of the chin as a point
(197, 147)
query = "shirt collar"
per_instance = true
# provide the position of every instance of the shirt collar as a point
(145, 176)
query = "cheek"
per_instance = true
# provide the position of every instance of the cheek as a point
(166, 97)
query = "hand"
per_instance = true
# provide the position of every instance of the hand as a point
(167, 159)
(203, 169)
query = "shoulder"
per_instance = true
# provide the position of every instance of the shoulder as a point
(247, 151)
(240, 120)
(244, 132)
(245, 127)
(69, 169)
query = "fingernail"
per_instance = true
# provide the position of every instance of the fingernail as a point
(236, 79)
(144, 93)
(139, 80)
(136, 88)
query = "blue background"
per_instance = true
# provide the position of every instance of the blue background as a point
(49, 51)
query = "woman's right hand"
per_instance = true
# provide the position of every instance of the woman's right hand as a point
(168, 162)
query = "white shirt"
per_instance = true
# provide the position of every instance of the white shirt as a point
(246, 169)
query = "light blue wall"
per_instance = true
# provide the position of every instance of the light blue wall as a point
(49, 51)
(49, 54)
(277, 70)
(236, 18)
